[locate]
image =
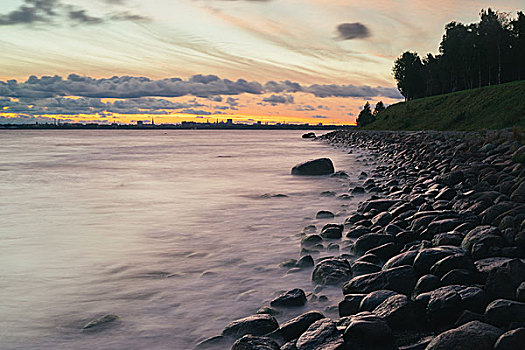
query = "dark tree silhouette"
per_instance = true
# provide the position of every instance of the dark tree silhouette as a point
(489, 52)
(366, 116)
(380, 106)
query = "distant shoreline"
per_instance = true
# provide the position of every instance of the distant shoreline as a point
(190, 126)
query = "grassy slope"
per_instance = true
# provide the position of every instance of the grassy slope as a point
(491, 107)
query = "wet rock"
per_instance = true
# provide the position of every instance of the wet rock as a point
(332, 231)
(371, 240)
(520, 292)
(321, 166)
(256, 325)
(268, 310)
(374, 299)
(100, 322)
(385, 251)
(502, 281)
(332, 271)
(446, 194)
(309, 135)
(511, 340)
(405, 258)
(401, 313)
(289, 346)
(451, 262)
(426, 258)
(378, 204)
(382, 219)
(213, 343)
(519, 194)
(358, 231)
(249, 342)
(362, 268)
(399, 279)
(368, 331)
(443, 306)
(324, 214)
(449, 238)
(358, 190)
(322, 334)
(503, 313)
(350, 304)
(474, 335)
(295, 327)
(426, 283)
(340, 174)
(458, 276)
(311, 240)
(469, 316)
(293, 298)
(305, 262)
(289, 263)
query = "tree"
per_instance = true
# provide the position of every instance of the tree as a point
(366, 116)
(380, 106)
(408, 74)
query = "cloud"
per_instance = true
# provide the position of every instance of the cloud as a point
(319, 117)
(141, 95)
(32, 12)
(279, 99)
(349, 31)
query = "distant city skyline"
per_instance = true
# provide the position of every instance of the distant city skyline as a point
(298, 61)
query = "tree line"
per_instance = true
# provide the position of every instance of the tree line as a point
(489, 52)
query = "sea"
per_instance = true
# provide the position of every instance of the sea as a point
(177, 232)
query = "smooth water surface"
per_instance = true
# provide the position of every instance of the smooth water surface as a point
(176, 232)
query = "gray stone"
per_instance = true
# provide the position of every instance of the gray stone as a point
(292, 298)
(399, 279)
(322, 334)
(293, 328)
(260, 324)
(504, 313)
(474, 335)
(332, 271)
(321, 166)
(249, 342)
(511, 340)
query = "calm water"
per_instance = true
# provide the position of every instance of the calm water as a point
(170, 230)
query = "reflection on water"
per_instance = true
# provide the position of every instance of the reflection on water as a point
(177, 233)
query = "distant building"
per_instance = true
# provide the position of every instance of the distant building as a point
(229, 121)
(140, 122)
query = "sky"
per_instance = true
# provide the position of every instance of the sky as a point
(294, 61)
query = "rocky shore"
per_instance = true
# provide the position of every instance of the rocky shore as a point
(434, 259)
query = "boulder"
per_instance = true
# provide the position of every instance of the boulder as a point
(374, 299)
(504, 313)
(322, 334)
(502, 281)
(378, 204)
(305, 261)
(362, 268)
(321, 166)
(256, 325)
(451, 262)
(401, 313)
(324, 214)
(292, 298)
(295, 327)
(405, 258)
(426, 283)
(350, 304)
(100, 322)
(426, 258)
(399, 279)
(368, 331)
(474, 335)
(309, 135)
(249, 342)
(371, 240)
(511, 340)
(332, 231)
(332, 271)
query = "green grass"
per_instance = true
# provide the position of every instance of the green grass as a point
(490, 107)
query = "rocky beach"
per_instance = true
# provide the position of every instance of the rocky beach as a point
(433, 258)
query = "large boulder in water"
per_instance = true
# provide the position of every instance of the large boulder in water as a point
(321, 166)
